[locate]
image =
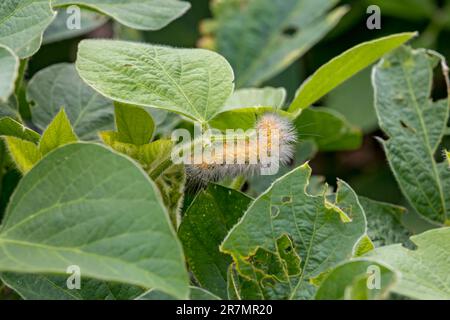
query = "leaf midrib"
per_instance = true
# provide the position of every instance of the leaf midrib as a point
(152, 91)
(427, 140)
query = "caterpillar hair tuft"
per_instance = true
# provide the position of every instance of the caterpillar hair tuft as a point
(271, 128)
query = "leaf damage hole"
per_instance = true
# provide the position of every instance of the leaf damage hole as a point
(286, 199)
(407, 127)
(290, 31)
(274, 211)
(410, 245)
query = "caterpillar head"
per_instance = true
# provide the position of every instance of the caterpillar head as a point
(273, 124)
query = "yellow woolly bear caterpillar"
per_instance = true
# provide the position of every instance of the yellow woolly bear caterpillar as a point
(246, 157)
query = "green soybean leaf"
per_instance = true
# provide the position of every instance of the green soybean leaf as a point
(23, 147)
(57, 134)
(260, 38)
(12, 128)
(414, 125)
(9, 70)
(447, 153)
(206, 223)
(134, 124)
(341, 68)
(54, 287)
(425, 270)
(363, 246)
(24, 36)
(384, 222)
(9, 108)
(58, 30)
(195, 293)
(150, 155)
(244, 118)
(245, 105)
(60, 86)
(239, 288)
(154, 157)
(171, 183)
(98, 211)
(287, 237)
(328, 129)
(202, 294)
(350, 281)
(255, 97)
(136, 14)
(24, 153)
(193, 82)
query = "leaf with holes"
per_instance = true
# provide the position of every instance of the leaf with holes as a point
(261, 38)
(385, 222)
(287, 237)
(415, 126)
